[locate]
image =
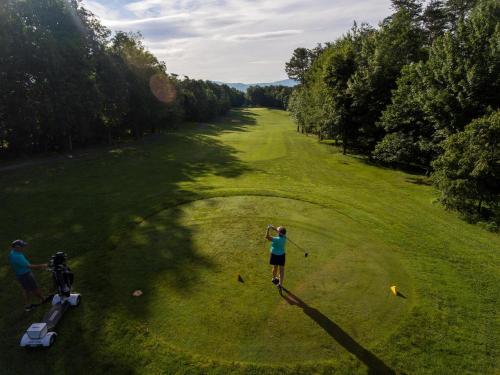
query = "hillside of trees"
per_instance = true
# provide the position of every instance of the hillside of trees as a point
(66, 81)
(268, 96)
(421, 90)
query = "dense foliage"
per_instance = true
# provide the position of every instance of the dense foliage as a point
(399, 93)
(468, 171)
(268, 96)
(66, 81)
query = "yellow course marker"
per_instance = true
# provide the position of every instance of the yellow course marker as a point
(393, 290)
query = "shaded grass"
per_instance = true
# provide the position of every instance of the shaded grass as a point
(125, 219)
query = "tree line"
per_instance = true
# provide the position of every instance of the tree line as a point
(66, 81)
(268, 96)
(421, 90)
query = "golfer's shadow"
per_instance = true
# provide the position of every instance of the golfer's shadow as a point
(375, 365)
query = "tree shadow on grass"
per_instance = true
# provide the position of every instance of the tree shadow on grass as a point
(242, 118)
(412, 169)
(419, 181)
(237, 120)
(97, 210)
(375, 365)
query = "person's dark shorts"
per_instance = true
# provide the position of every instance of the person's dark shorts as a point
(277, 260)
(27, 281)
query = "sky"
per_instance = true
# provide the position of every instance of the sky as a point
(245, 41)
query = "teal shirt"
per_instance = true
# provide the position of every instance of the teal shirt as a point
(278, 245)
(19, 262)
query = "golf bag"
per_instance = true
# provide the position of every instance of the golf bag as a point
(61, 274)
(42, 333)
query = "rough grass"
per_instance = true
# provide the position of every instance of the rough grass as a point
(183, 217)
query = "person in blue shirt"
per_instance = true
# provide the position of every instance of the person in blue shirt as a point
(22, 267)
(277, 259)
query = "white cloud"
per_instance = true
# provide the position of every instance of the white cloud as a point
(235, 40)
(141, 6)
(264, 35)
(113, 23)
(100, 9)
(264, 62)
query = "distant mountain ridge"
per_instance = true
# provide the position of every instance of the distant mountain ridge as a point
(243, 86)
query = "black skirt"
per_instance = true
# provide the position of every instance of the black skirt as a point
(277, 260)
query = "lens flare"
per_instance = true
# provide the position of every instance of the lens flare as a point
(163, 88)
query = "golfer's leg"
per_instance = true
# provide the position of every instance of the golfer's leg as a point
(282, 274)
(275, 271)
(38, 293)
(26, 297)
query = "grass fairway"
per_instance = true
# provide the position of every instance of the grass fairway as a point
(181, 217)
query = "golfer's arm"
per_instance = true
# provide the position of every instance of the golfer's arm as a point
(268, 237)
(37, 266)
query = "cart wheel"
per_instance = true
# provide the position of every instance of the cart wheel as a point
(78, 300)
(52, 339)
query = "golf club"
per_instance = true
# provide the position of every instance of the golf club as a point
(288, 238)
(301, 248)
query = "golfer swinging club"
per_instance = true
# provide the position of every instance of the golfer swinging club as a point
(277, 254)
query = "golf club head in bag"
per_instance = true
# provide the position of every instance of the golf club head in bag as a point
(61, 274)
